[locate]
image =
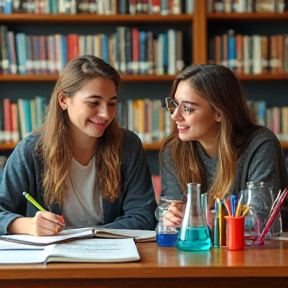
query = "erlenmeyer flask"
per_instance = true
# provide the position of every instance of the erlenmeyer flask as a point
(194, 233)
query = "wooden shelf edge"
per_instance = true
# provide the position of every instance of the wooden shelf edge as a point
(7, 146)
(28, 78)
(261, 77)
(284, 145)
(150, 146)
(63, 18)
(47, 78)
(146, 146)
(248, 16)
(131, 78)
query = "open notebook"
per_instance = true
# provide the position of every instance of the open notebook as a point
(72, 234)
(84, 250)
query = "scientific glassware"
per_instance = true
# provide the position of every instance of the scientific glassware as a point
(259, 198)
(194, 232)
(166, 236)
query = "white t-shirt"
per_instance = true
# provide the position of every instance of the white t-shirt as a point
(82, 203)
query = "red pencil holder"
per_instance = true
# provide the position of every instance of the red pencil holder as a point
(235, 233)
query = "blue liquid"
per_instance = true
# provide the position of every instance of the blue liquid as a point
(166, 240)
(196, 239)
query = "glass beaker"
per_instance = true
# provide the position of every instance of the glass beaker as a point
(259, 198)
(194, 232)
(166, 234)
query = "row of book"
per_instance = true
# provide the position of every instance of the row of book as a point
(255, 54)
(274, 118)
(246, 6)
(99, 7)
(149, 119)
(18, 119)
(129, 50)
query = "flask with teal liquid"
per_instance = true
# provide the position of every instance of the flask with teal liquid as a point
(194, 233)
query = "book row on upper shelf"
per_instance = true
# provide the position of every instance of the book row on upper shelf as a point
(246, 6)
(129, 50)
(147, 118)
(17, 120)
(99, 7)
(274, 118)
(253, 54)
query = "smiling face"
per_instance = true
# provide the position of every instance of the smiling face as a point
(194, 117)
(91, 109)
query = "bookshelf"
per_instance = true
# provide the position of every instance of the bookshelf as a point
(269, 86)
(197, 30)
(87, 24)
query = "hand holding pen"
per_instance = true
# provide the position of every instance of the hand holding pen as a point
(45, 223)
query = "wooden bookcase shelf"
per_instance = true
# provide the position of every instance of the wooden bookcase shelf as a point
(197, 25)
(262, 77)
(7, 146)
(284, 145)
(247, 16)
(150, 146)
(136, 78)
(81, 18)
(49, 77)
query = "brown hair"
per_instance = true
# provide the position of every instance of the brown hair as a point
(220, 87)
(55, 142)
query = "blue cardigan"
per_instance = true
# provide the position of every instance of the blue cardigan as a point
(134, 209)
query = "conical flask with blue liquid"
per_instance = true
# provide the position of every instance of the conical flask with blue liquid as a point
(194, 233)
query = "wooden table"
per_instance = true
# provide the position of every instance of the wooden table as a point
(266, 266)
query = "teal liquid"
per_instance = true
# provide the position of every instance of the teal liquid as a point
(196, 239)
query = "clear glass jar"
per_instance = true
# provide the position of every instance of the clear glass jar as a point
(166, 235)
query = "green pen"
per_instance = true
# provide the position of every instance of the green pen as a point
(33, 201)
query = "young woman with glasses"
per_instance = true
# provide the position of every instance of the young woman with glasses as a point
(216, 141)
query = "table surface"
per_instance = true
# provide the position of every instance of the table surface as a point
(269, 260)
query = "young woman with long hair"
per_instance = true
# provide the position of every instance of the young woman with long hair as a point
(80, 166)
(216, 141)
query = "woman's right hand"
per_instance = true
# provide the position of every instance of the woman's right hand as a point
(174, 214)
(42, 224)
(47, 223)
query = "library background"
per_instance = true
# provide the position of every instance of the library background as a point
(148, 42)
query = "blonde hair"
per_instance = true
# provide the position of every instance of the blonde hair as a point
(55, 142)
(219, 86)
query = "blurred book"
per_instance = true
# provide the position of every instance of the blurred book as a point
(156, 180)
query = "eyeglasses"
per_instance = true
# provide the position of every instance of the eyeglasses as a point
(172, 105)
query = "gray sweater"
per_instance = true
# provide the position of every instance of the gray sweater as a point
(262, 161)
(134, 209)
